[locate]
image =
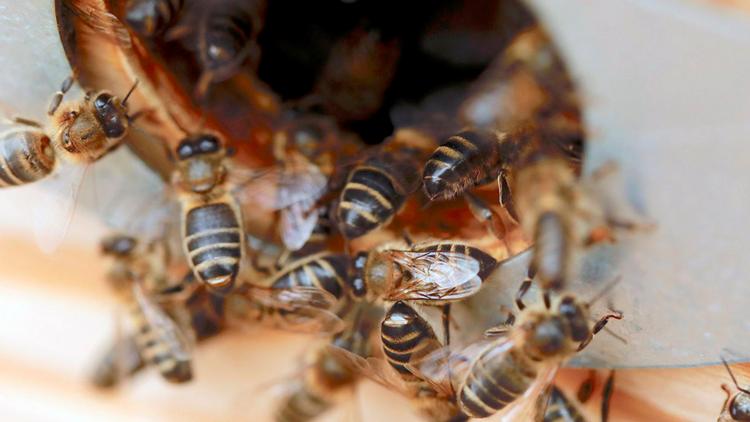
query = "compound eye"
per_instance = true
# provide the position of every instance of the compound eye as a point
(208, 144)
(102, 101)
(568, 307)
(184, 150)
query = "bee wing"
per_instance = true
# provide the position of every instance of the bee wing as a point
(436, 276)
(165, 328)
(377, 370)
(532, 405)
(279, 187)
(55, 206)
(297, 224)
(104, 23)
(302, 309)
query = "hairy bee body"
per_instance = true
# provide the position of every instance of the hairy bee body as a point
(152, 17)
(325, 271)
(25, 156)
(494, 383)
(470, 158)
(155, 348)
(375, 191)
(213, 240)
(560, 409)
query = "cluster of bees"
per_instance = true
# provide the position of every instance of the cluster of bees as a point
(334, 262)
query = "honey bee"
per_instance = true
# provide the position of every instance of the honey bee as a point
(525, 361)
(160, 326)
(326, 377)
(79, 131)
(471, 158)
(428, 273)
(737, 405)
(211, 219)
(324, 271)
(152, 17)
(377, 188)
(224, 34)
(563, 215)
(407, 339)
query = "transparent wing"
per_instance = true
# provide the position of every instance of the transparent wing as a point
(55, 206)
(436, 276)
(435, 369)
(297, 309)
(528, 406)
(104, 23)
(377, 370)
(164, 327)
(279, 187)
(297, 224)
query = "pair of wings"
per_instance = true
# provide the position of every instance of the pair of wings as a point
(443, 370)
(434, 275)
(298, 309)
(292, 188)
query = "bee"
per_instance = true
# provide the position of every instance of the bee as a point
(377, 188)
(224, 35)
(211, 219)
(563, 215)
(79, 131)
(324, 271)
(161, 328)
(737, 405)
(474, 157)
(407, 339)
(303, 149)
(152, 17)
(326, 377)
(505, 372)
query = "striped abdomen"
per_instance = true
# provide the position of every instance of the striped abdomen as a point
(495, 381)
(25, 156)
(560, 409)
(463, 161)
(486, 262)
(374, 192)
(404, 332)
(152, 17)
(212, 240)
(325, 271)
(228, 33)
(156, 350)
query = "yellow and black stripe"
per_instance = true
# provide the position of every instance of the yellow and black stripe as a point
(156, 352)
(152, 17)
(213, 243)
(301, 406)
(560, 409)
(403, 333)
(325, 271)
(25, 156)
(464, 160)
(374, 192)
(492, 383)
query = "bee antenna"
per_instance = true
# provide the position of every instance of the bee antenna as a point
(605, 290)
(127, 96)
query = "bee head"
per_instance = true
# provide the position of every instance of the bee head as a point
(357, 285)
(575, 314)
(201, 162)
(118, 245)
(545, 336)
(112, 113)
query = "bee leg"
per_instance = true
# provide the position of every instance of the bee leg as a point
(26, 122)
(727, 390)
(484, 214)
(447, 323)
(530, 274)
(598, 327)
(609, 388)
(587, 387)
(407, 238)
(58, 97)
